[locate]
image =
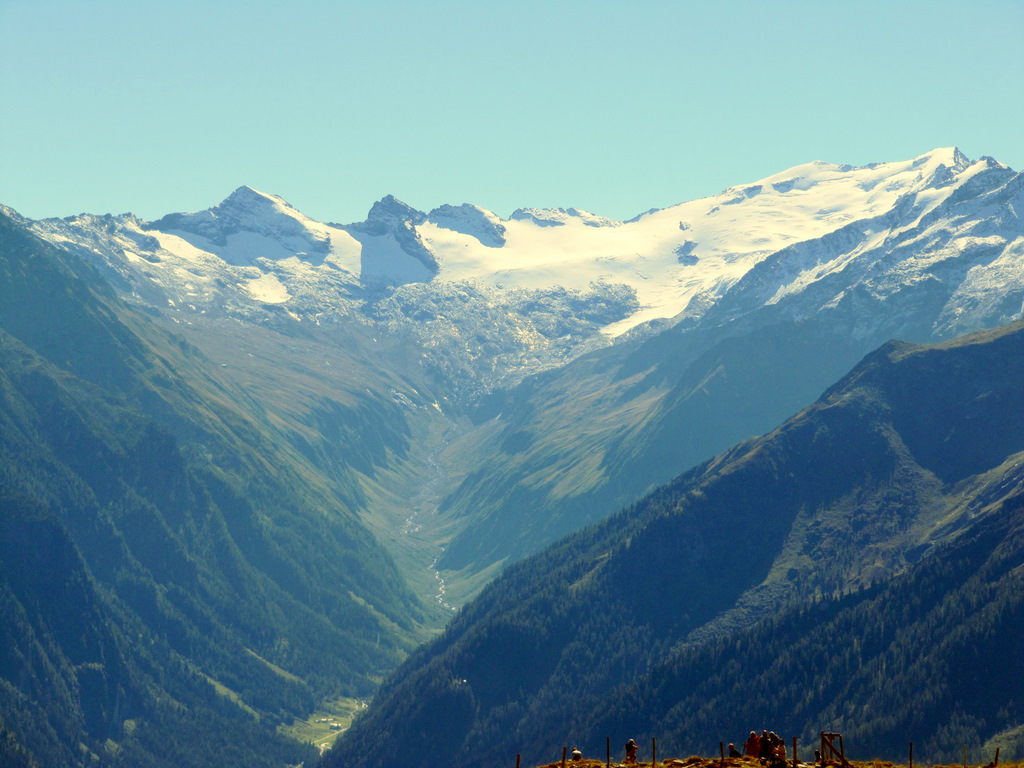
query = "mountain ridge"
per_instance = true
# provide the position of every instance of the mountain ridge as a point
(714, 319)
(419, 235)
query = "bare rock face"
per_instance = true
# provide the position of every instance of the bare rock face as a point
(391, 218)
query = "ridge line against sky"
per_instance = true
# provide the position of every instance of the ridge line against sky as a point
(115, 106)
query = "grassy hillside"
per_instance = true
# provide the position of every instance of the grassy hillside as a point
(574, 445)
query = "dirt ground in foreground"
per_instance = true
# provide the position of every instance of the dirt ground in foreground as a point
(746, 762)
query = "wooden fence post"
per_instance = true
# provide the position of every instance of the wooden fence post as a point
(794, 752)
(721, 751)
(654, 751)
(996, 761)
(517, 761)
(608, 748)
(563, 756)
(911, 755)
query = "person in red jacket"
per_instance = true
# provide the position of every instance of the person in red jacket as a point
(751, 745)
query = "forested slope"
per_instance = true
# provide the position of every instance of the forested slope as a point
(237, 579)
(907, 452)
(933, 657)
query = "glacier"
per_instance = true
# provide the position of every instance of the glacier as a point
(816, 237)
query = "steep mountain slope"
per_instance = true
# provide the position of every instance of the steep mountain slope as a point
(572, 445)
(904, 662)
(914, 448)
(185, 523)
(84, 682)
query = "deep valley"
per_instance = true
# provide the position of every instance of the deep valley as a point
(515, 481)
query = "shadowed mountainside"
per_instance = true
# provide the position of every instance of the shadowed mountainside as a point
(913, 454)
(199, 554)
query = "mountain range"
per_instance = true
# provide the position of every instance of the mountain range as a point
(714, 319)
(278, 452)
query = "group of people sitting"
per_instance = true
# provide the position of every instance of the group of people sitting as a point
(767, 747)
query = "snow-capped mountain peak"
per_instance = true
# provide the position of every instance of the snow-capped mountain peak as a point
(393, 252)
(246, 196)
(386, 214)
(244, 209)
(695, 250)
(797, 241)
(950, 236)
(249, 225)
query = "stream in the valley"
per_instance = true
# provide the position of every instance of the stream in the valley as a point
(423, 511)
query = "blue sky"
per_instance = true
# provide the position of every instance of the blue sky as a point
(154, 107)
